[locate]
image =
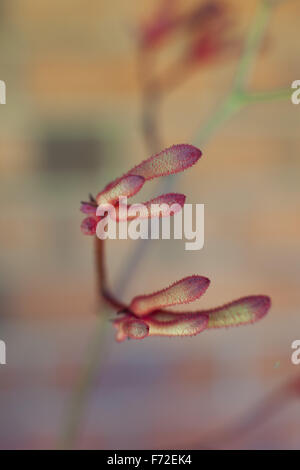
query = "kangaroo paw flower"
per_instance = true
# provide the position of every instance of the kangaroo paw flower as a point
(171, 160)
(145, 315)
(181, 292)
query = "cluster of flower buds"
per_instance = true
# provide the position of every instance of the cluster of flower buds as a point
(206, 28)
(171, 160)
(146, 314)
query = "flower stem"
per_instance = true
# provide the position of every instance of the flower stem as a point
(256, 97)
(103, 291)
(228, 108)
(238, 96)
(253, 43)
(81, 392)
(95, 355)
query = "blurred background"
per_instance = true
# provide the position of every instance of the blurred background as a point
(82, 109)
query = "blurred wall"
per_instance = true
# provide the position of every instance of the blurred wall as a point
(71, 124)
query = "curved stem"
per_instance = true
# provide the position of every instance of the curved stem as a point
(103, 290)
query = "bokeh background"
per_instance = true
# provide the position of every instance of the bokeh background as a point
(72, 122)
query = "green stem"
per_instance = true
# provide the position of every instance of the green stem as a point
(238, 96)
(256, 97)
(227, 109)
(84, 385)
(252, 46)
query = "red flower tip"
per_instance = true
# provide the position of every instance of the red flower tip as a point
(171, 160)
(205, 48)
(210, 47)
(181, 292)
(89, 226)
(212, 25)
(153, 32)
(88, 208)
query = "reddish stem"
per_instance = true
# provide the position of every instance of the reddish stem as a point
(103, 291)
